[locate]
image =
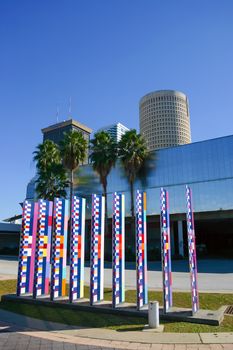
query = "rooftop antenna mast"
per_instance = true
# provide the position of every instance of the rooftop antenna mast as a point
(57, 113)
(70, 101)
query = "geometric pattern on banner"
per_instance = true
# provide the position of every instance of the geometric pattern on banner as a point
(59, 248)
(165, 250)
(97, 249)
(77, 245)
(43, 248)
(27, 248)
(192, 250)
(141, 249)
(118, 249)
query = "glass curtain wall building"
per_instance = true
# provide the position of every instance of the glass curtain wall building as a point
(206, 166)
(116, 131)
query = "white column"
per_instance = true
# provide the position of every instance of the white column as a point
(180, 238)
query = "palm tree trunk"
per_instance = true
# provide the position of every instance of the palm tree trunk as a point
(105, 195)
(132, 198)
(106, 205)
(133, 226)
(71, 197)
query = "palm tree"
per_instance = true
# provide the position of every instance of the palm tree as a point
(52, 182)
(132, 152)
(46, 154)
(51, 179)
(103, 157)
(73, 149)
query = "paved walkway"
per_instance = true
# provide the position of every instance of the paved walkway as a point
(20, 332)
(213, 276)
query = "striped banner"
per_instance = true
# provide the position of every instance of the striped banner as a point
(43, 247)
(141, 250)
(97, 249)
(118, 249)
(192, 250)
(77, 246)
(27, 248)
(59, 248)
(165, 250)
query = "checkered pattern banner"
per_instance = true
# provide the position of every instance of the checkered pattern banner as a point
(59, 247)
(27, 248)
(118, 249)
(192, 250)
(43, 247)
(97, 249)
(141, 249)
(165, 250)
(77, 245)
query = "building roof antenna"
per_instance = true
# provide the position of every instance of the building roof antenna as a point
(70, 101)
(57, 113)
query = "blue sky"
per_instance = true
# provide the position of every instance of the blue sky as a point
(106, 54)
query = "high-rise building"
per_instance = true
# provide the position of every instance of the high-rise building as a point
(115, 130)
(164, 119)
(56, 132)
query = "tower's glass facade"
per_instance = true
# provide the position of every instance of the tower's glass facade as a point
(206, 166)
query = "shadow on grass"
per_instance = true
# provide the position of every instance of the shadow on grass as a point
(89, 319)
(130, 329)
(70, 319)
(82, 319)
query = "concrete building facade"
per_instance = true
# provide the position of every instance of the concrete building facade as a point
(164, 119)
(56, 132)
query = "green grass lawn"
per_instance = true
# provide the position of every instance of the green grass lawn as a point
(119, 323)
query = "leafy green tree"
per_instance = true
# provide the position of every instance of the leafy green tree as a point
(133, 153)
(51, 176)
(103, 155)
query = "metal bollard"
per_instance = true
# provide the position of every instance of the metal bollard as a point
(153, 314)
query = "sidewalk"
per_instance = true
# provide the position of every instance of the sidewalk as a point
(25, 327)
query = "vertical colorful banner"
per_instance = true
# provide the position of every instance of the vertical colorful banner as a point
(118, 249)
(43, 247)
(192, 250)
(27, 248)
(97, 249)
(59, 248)
(77, 246)
(165, 250)
(141, 249)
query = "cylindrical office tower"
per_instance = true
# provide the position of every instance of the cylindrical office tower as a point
(164, 119)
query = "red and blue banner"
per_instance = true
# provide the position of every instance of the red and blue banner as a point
(97, 249)
(27, 248)
(141, 249)
(165, 250)
(192, 250)
(118, 249)
(77, 246)
(59, 248)
(43, 248)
